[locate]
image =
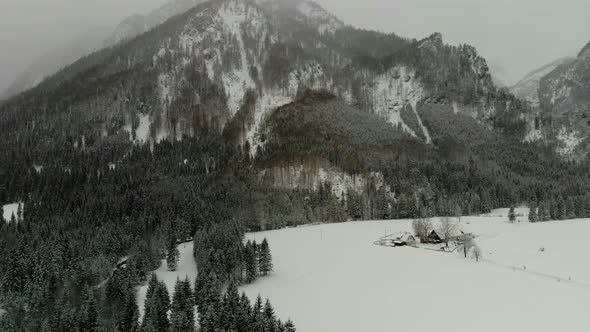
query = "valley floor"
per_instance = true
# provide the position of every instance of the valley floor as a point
(533, 277)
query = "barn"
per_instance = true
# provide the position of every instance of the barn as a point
(433, 237)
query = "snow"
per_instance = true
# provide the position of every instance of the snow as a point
(233, 14)
(569, 139)
(186, 268)
(142, 133)
(300, 177)
(10, 209)
(333, 278)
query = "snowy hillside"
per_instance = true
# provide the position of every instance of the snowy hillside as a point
(532, 278)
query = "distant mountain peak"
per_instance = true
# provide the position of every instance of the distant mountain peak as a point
(527, 88)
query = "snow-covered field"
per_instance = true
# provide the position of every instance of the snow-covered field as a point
(533, 277)
(333, 278)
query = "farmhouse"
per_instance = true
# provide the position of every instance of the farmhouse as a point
(405, 239)
(433, 237)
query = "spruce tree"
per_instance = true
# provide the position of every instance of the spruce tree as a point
(157, 304)
(270, 322)
(289, 326)
(129, 317)
(19, 213)
(163, 304)
(88, 315)
(251, 262)
(265, 258)
(533, 213)
(182, 314)
(172, 254)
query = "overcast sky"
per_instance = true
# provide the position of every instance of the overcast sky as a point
(515, 35)
(31, 28)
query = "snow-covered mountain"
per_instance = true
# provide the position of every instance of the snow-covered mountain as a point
(137, 24)
(228, 65)
(528, 87)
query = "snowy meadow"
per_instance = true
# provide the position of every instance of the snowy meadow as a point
(333, 278)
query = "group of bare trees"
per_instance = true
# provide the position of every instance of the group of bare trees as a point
(447, 230)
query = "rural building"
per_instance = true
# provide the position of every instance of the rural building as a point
(405, 239)
(433, 237)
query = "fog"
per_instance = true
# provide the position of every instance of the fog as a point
(31, 28)
(515, 36)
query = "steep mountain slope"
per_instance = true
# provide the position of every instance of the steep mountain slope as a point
(528, 87)
(564, 96)
(227, 65)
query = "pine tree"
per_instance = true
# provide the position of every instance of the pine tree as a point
(19, 213)
(244, 314)
(269, 317)
(265, 258)
(157, 304)
(251, 262)
(257, 317)
(182, 315)
(163, 298)
(152, 285)
(129, 319)
(172, 254)
(209, 320)
(88, 315)
(289, 327)
(533, 213)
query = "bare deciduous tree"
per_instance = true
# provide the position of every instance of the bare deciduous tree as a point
(421, 227)
(447, 229)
